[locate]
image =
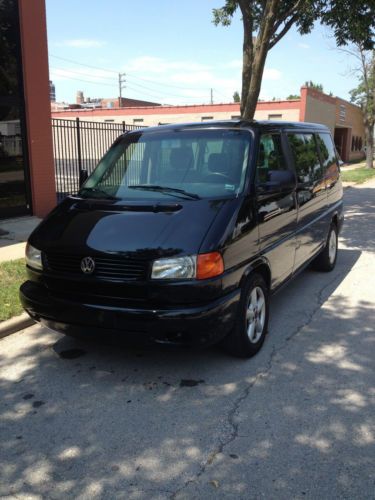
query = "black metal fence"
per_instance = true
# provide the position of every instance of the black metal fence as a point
(79, 145)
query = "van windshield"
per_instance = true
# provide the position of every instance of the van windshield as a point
(190, 164)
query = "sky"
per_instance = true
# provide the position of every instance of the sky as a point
(172, 53)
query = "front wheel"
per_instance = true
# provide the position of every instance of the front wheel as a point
(251, 326)
(326, 260)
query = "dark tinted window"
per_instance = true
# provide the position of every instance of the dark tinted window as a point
(329, 159)
(270, 156)
(327, 150)
(306, 158)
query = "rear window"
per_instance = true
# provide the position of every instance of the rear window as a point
(327, 150)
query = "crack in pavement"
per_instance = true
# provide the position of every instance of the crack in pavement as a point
(231, 415)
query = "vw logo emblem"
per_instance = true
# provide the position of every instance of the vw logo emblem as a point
(87, 265)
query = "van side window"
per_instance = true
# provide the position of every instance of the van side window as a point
(329, 158)
(327, 150)
(306, 158)
(270, 156)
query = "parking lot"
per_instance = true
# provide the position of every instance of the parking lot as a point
(94, 419)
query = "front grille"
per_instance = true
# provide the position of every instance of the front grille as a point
(107, 268)
(98, 291)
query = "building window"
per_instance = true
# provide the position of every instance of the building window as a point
(204, 118)
(275, 117)
(137, 120)
(235, 117)
(109, 121)
(342, 112)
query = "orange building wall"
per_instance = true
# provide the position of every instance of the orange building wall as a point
(318, 107)
(353, 120)
(38, 110)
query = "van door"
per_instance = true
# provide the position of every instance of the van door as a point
(311, 196)
(277, 211)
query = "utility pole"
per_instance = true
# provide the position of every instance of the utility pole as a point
(121, 86)
(212, 96)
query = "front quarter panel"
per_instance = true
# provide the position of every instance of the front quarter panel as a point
(235, 234)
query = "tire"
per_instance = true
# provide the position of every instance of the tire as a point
(249, 332)
(327, 258)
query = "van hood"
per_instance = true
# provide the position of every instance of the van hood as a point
(147, 229)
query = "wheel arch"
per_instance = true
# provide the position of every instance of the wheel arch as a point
(260, 266)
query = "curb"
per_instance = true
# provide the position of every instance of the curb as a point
(15, 324)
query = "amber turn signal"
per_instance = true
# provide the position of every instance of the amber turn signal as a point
(209, 265)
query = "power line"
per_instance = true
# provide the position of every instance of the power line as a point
(155, 96)
(154, 82)
(88, 81)
(81, 73)
(166, 93)
(162, 84)
(226, 97)
(82, 64)
(155, 93)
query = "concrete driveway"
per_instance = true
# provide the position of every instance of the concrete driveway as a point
(87, 420)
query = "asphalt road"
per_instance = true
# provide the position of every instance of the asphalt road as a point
(88, 420)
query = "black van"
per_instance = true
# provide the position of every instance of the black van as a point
(182, 232)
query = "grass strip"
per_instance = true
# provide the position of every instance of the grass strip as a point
(12, 275)
(358, 175)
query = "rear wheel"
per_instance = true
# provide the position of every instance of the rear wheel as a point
(251, 326)
(326, 260)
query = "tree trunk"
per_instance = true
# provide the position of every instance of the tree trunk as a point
(247, 57)
(369, 131)
(251, 99)
(254, 56)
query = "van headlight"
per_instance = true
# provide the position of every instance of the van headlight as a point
(176, 268)
(33, 257)
(202, 266)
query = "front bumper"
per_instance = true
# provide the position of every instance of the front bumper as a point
(199, 325)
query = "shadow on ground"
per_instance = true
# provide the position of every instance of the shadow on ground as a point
(95, 420)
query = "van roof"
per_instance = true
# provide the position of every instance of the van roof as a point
(238, 123)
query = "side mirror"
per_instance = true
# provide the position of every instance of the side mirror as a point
(278, 180)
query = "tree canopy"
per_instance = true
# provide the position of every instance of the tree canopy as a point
(266, 22)
(313, 85)
(364, 95)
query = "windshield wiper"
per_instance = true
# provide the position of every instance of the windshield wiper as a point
(165, 189)
(100, 192)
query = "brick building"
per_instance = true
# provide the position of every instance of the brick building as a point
(343, 118)
(27, 182)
